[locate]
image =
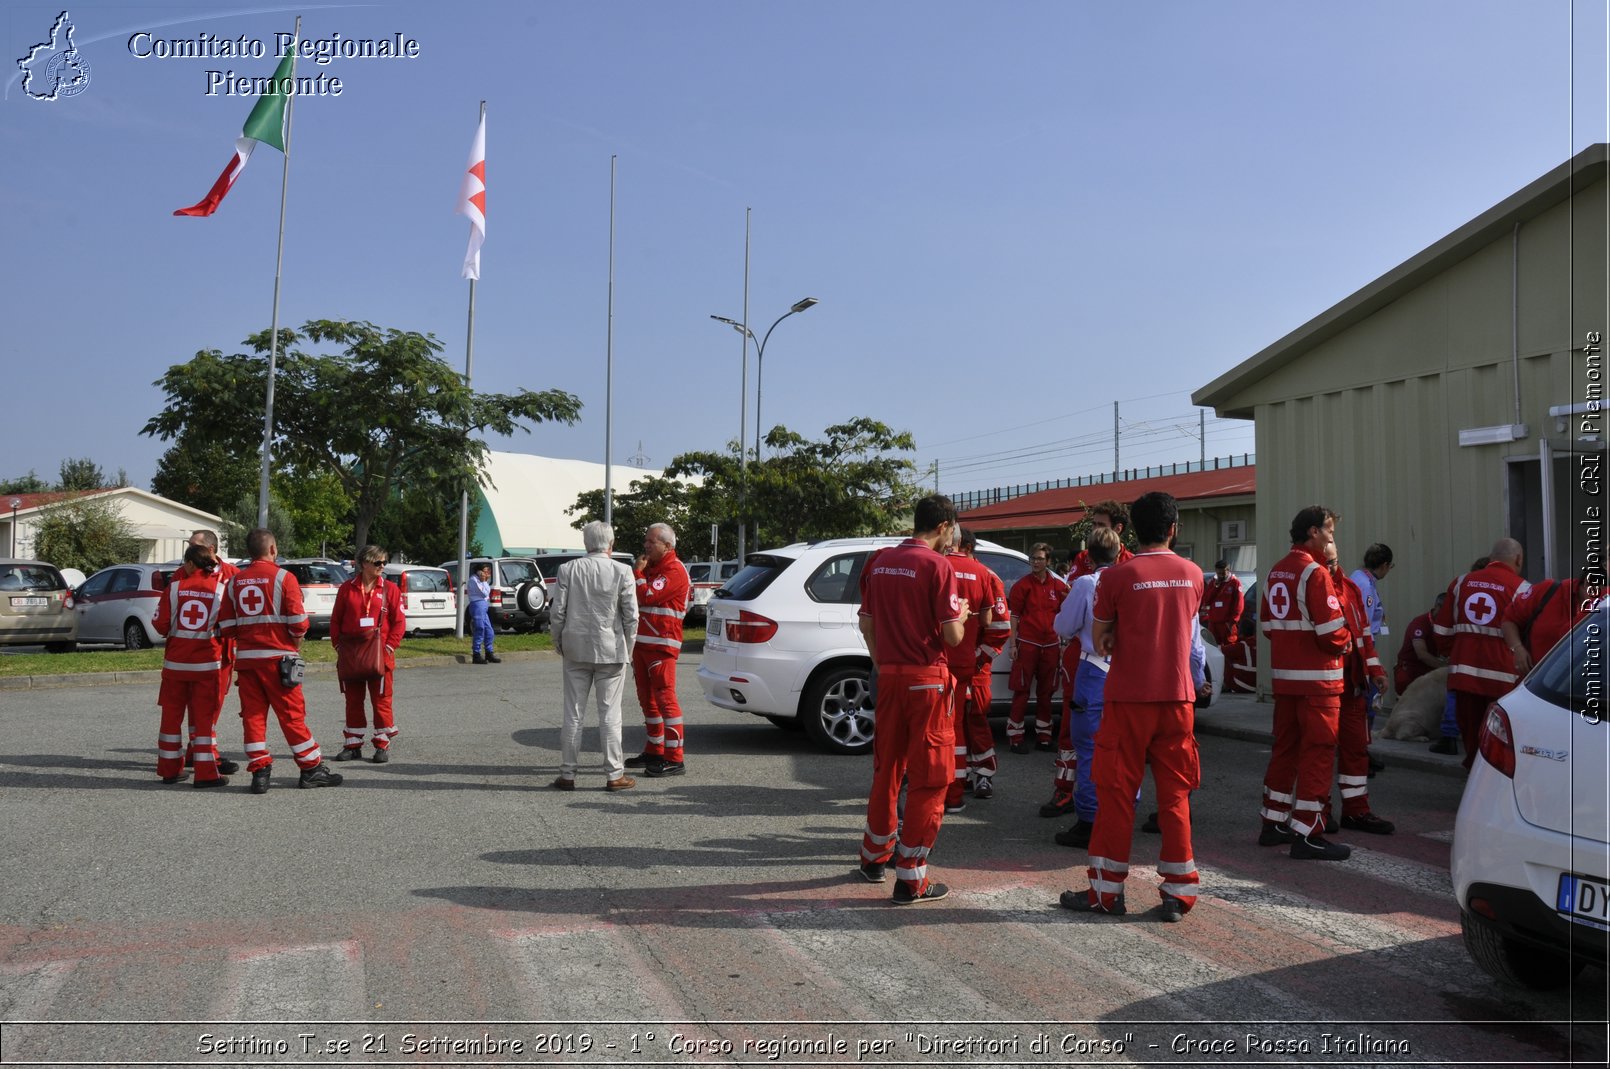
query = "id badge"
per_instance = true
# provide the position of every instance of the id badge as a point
(367, 621)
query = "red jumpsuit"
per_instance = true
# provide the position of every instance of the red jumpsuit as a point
(1222, 602)
(663, 589)
(1550, 617)
(353, 613)
(973, 739)
(1481, 667)
(1034, 604)
(187, 614)
(225, 572)
(1409, 666)
(263, 612)
(1360, 665)
(1308, 636)
(909, 593)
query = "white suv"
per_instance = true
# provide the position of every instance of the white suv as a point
(783, 638)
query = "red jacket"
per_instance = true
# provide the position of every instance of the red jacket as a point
(1410, 667)
(1549, 621)
(972, 584)
(1360, 664)
(1035, 604)
(1222, 602)
(263, 613)
(1302, 618)
(383, 606)
(1472, 616)
(187, 613)
(1000, 623)
(662, 600)
(1082, 565)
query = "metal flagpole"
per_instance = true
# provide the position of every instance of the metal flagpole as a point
(274, 328)
(464, 495)
(609, 362)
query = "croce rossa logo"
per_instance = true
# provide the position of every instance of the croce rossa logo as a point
(53, 69)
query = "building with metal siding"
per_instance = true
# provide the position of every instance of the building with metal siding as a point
(1449, 402)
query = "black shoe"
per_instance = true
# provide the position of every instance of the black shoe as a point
(1077, 836)
(261, 779)
(1044, 747)
(173, 779)
(1447, 744)
(226, 767)
(1314, 848)
(874, 871)
(381, 756)
(643, 760)
(1274, 834)
(1368, 822)
(492, 658)
(1054, 808)
(1151, 827)
(478, 658)
(932, 893)
(663, 767)
(218, 781)
(1171, 909)
(983, 790)
(349, 753)
(1022, 746)
(1079, 902)
(956, 807)
(320, 776)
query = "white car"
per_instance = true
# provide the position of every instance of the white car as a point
(1531, 850)
(428, 599)
(707, 577)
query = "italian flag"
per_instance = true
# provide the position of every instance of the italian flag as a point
(266, 123)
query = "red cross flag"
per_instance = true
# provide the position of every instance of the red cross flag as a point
(472, 201)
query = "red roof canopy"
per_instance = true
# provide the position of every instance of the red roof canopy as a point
(1067, 505)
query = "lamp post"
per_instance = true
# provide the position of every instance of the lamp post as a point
(16, 503)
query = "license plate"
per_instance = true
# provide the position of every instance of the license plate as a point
(714, 631)
(1585, 900)
(29, 603)
(433, 604)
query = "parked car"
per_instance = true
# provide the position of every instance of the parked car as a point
(548, 565)
(428, 598)
(783, 641)
(519, 598)
(1531, 849)
(319, 579)
(117, 605)
(36, 606)
(707, 577)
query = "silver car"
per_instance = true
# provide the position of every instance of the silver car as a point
(116, 605)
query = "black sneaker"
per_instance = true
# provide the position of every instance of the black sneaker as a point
(1171, 909)
(492, 658)
(1368, 822)
(874, 871)
(642, 760)
(1044, 747)
(1077, 836)
(663, 767)
(932, 893)
(381, 756)
(1274, 834)
(170, 780)
(983, 790)
(226, 767)
(1151, 827)
(956, 807)
(1054, 808)
(1447, 745)
(349, 753)
(320, 776)
(478, 658)
(261, 779)
(217, 781)
(1314, 848)
(1079, 902)
(1022, 746)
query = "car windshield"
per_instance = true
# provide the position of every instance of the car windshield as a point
(1575, 673)
(516, 572)
(320, 573)
(30, 577)
(755, 577)
(549, 566)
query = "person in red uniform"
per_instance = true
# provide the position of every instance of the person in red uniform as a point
(187, 614)
(1034, 647)
(969, 662)
(1418, 654)
(1145, 622)
(225, 571)
(663, 588)
(1222, 602)
(911, 610)
(1301, 615)
(263, 611)
(1065, 770)
(1481, 666)
(1363, 680)
(1536, 620)
(367, 602)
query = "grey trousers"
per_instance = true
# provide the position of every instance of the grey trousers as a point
(606, 682)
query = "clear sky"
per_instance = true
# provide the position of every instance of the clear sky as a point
(1013, 213)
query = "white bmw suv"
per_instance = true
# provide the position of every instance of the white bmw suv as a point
(783, 638)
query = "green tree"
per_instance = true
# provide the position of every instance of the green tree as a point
(85, 533)
(203, 474)
(240, 518)
(81, 473)
(318, 509)
(421, 525)
(688, 508)
(26, 484)
(383, 411)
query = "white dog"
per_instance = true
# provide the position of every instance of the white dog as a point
(1418, 712)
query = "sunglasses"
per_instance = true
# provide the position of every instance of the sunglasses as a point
(377, 563)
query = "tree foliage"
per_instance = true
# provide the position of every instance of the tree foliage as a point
(25, 484)
(688, 508)
(205, 474)
(81, 473)
(85, 533)
(384, 411)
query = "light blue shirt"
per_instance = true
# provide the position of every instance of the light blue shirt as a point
(479, 589)
(1374, 608)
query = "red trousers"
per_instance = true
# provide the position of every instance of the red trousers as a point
(1034, 667)
(1470, 710)
(260, 691)
(1132, 735)
(1353, 756)
(1065, 770)
(654, 672)
(379, 694)
(914, 742)
(975, 742)
(195, 694)
(1303, 754)
(1223, 632)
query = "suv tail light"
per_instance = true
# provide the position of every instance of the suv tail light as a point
(1496, 743)
(495, 597)
(750, 627)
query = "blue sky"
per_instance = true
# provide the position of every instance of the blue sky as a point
(1013, 214)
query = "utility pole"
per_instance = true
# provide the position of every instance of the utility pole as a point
(1201, 433)
(1115, 441)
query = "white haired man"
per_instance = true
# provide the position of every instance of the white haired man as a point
(663, 587)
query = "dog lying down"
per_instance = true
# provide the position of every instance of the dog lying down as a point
(1418, 712)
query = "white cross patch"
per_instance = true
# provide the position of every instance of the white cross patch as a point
(193, 614)
(1481, 608)
(252, 600)
(1279, 602)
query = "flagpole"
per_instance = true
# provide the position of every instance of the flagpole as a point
(464, 496)
(609, 363)
(274, 328)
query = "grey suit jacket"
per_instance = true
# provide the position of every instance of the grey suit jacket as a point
(594, 613)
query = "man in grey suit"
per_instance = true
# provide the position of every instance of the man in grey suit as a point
(594, 624)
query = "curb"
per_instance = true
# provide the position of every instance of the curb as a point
(153, 676)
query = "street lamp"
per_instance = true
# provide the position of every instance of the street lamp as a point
(760, 352)
(16, 503)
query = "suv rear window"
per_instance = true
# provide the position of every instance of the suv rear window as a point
(699, 573)
(516, 572)
(1574, 675)
(838, 580)
(755, 577)
(1008, 567)
(30, 577)
(317, 573)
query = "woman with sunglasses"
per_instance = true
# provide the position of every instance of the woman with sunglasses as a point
(365, 603)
